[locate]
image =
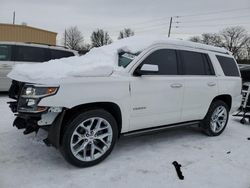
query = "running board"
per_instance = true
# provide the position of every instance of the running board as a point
(159, 128)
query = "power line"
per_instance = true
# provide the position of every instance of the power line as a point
(214, 19)
(213, 25)
(215, 12)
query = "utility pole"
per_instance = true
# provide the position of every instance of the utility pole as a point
(14, 17)
(65, 39)
(170, 26)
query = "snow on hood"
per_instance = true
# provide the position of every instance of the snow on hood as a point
(99, 62)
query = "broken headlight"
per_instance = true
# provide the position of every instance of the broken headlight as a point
(31, 96)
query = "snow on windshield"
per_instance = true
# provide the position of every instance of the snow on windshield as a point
(100, 61)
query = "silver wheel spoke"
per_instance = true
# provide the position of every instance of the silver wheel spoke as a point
(77, 142)
(77, 134)
(98, 149)
(103, 141)
(91, 124)
(221, 113)
(102, 136)
(98, 125)
(82, 147)
(92, 151)
(214, 126)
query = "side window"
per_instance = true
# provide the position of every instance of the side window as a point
(166, 59)
(5, 52)
(195, 63)
(228, 66)
(57, 54)
(209, 69)
(30, 54)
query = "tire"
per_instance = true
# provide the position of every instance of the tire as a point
(89, 138)
(216, 118)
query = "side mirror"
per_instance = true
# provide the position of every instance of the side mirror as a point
(147, 69)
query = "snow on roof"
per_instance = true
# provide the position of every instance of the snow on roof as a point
(100, 61)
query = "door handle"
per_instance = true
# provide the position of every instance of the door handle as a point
(211, 84)
(176, 85)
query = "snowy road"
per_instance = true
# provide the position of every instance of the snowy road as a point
(144, 161)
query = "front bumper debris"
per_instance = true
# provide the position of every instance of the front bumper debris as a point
(50, 119)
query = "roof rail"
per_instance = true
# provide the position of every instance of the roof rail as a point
(46, 44)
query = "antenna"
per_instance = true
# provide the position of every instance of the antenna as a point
(14, 17)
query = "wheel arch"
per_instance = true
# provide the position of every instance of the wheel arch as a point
(225, 98)
(113, 108)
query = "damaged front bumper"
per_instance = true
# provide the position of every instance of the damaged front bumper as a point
(49, 119)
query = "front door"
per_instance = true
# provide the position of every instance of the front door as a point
(156, 98)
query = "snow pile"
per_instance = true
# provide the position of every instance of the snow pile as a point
(98, 62)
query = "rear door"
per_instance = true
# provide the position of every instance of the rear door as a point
(201, 84)
(6, 64)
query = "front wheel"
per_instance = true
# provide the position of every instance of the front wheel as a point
(89, 138)
(216, 119)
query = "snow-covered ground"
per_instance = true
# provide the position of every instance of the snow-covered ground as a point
(144, 161)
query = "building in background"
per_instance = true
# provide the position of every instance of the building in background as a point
(24, 33)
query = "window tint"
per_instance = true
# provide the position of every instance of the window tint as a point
(228, 66)
(5, 52)
(209, 69)
(30, 54)
(166, 60)
(195, 63)
(57, 54)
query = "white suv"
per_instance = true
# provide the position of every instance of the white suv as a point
(14, 53)
(164, 84)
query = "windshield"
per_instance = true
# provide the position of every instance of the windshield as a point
(126, 58)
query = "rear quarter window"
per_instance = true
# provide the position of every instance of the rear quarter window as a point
(58, 54)
(228, 66)
(5, 52)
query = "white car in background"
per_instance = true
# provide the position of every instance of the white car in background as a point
(13, 53)
(155, 84)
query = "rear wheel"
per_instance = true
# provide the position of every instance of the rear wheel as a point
(216, 119)
(89, 138)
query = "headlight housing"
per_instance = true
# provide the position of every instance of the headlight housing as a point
(33, 91)
(31, 96)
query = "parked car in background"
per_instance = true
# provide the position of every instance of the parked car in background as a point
(162, 84)
(12, 53)
(245, 72)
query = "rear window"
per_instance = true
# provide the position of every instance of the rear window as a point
(57, 54)
(5, 52)
(228, 66)
(30, 54)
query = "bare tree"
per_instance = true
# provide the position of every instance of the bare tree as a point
(73, 38)
(126, 32)
(208, 38)
(196, 39)
(84, 49)
(100, 38)
(235, 39)
(248, 49)
(212, 39)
